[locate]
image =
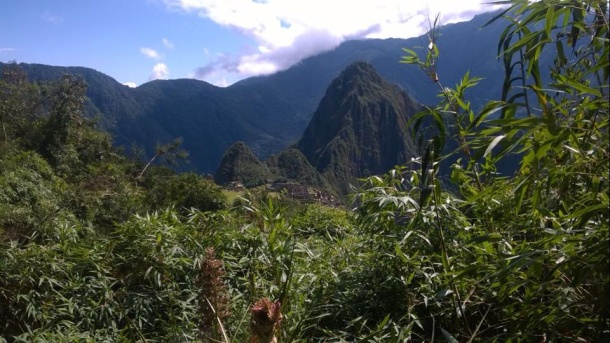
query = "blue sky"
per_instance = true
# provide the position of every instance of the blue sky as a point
(219, 41)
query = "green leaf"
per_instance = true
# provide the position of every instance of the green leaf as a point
(581, 88)
(448, 337)
(521, 197)
(400, 254)
(493, 143)
(383, 322)
(490, 237)
(442, 294)
(587, 211)
(527, 39)
(549, 21)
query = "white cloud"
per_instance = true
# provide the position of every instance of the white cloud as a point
(167, 43)
(160, 71)
(148, 52)
(288, 31)
(51, 17)
(7, 50)
(130, 84)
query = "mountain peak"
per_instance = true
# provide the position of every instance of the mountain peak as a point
(359, 68)
(360, 127)
(359, 77)
(240, 164)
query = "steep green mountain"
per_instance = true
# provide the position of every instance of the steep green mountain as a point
(292, 165)
(208, 118)
(270, 112)
(107, 98)
(191, 109)
(359, 128)
(240, 164)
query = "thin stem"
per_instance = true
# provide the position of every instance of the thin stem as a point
(461, 140)
(5, 135)
(525, 97)
(147, 165)
(222, 328)
(445, 256)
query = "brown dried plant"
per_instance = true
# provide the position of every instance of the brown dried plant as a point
(265, 321)
(213, 298)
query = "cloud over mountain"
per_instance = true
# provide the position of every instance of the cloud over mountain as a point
(289, 31)
(160, 71)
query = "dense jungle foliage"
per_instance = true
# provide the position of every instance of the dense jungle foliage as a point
(96, 247)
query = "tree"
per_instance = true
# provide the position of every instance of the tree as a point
(171, 152)
(184, 192)
(20, 104)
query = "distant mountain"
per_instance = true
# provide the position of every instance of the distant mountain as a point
(269, 113)
(107, 97)
(291, 165)
(360, 128)
(240, 164)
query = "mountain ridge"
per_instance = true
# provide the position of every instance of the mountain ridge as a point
(271, 112)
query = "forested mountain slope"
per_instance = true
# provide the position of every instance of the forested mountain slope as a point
(268, 113)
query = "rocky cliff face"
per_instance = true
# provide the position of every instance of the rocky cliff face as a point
(360, 128)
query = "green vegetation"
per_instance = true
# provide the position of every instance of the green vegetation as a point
(90, 251)
(232, 196)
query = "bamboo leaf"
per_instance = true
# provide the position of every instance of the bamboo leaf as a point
(448, 337)
(493, 143)
(549, 21)
(588, 211)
